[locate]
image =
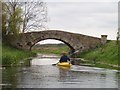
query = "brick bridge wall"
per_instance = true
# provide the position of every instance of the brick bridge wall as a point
(74, 41)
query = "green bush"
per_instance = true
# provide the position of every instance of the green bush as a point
(12, 55)
(108, 53)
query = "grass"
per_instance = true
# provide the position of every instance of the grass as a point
(103, 56)
(12, 55)
(51, 49)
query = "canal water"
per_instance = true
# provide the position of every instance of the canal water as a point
(42, 74)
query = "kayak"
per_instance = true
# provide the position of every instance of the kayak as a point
(64, 68)
(64, 64)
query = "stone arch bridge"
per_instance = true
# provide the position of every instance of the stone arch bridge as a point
(75, 41)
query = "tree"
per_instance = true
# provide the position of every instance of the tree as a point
(4, 21)
(11, 18)
(23, 16)
(34, 16)
(4, 28)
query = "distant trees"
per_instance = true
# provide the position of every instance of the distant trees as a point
(21, 17)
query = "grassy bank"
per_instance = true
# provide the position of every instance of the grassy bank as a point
(105, 56)
(13, 56)
(50, 49)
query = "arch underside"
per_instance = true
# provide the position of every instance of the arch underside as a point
(38, 40)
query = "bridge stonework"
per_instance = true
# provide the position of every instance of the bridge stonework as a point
(75, 41)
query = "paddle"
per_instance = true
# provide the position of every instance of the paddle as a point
(69, 56)
(74, 52)
(54, 64)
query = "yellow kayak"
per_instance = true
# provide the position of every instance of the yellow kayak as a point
(64, 64)
(64, 68)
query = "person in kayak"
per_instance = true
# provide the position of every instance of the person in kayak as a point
(64, 58)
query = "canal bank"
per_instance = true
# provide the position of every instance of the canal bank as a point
(105, 56)
(14, 57)
(83, 62)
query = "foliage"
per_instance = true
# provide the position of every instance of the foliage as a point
(51, 49)
(4, 27)
(23, 16)
(106, 54)
(11, 18)
(15, 21)
(11, 55)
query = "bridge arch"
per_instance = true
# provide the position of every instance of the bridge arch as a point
(67, 43)
(75, 41)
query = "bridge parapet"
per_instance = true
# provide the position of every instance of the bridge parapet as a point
(75, 41)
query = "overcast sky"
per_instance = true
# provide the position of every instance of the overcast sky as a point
(89, 18)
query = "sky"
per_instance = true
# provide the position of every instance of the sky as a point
(93, 18)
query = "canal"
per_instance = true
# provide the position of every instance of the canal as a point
(42, 74)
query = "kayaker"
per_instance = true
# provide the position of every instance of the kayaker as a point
(64, 58)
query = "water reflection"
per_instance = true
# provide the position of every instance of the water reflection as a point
(41, 74)
(10, 77)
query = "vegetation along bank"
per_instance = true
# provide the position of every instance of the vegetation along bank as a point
(12, 56)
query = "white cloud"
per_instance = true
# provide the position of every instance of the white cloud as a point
(84, 17)
(81, 0)
(89, 18)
